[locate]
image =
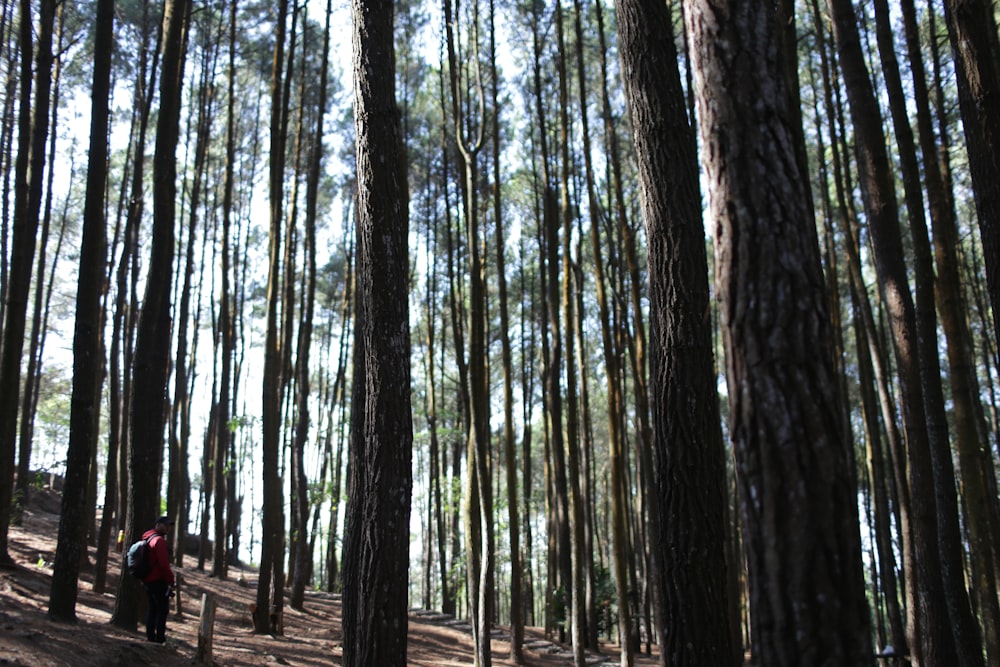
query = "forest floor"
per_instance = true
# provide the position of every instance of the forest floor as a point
(29, 638)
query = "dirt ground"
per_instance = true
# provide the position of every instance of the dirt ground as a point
(311, 637)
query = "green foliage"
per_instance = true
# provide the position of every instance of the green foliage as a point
(236, 423)
(318, 492)
(557, 608)
(606, 598)
(17, 508)
(37, 481)
(52, 417)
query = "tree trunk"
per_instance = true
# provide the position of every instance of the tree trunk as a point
(340, 403)
(210, 447)
(964, 384)
(127, 278)
(687, 517)
(33, 122)
(456, 307)
(606, 306)
(437, 472)
(964, 623)
(509, 445)
(937, 646)
(972, 29)
(527, 407)
(377, 547)
(88, 357)
(153, 342)
(551, 338)
(588, 490)
(236, 451)
(269, 587)
(633, 338)
(6, 134)
(226, 324)
(846, 217)
(594, 207)
(879, 479)
(36, 338)
(178, 482)
(785, 415)
(304, 555)
(478, 496)
(574, 589)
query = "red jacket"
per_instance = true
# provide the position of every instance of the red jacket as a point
(159, 558)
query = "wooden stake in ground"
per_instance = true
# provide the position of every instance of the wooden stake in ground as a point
(178, 607)
(206, 628)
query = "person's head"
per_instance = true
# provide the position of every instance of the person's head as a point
(163, 525)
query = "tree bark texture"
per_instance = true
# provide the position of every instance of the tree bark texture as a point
(965, 391)
(303, 564)
(934, 634)
(867, 336)
(377, 546)
(797, 486)
(509, 443)
(33, 123)
(688, 496)
(152, 348)
(269, 586)
(963, 621)
(972, 29)
(88, 352)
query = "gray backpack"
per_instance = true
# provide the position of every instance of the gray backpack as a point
(137, 559)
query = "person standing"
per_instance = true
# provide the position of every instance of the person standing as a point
(159, 582)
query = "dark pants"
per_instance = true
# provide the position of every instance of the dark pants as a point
(157, 610)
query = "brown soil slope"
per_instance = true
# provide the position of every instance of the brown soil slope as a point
(311, 637)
